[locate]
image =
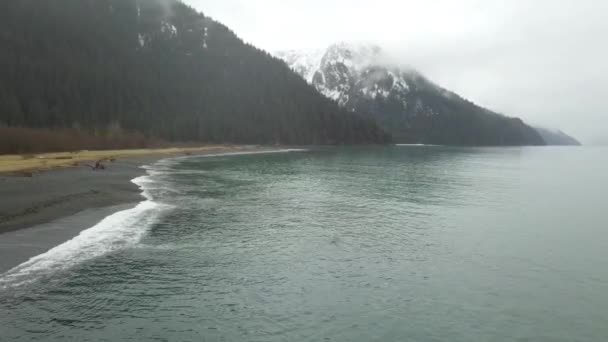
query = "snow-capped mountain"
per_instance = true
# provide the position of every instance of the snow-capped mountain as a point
(408, 105)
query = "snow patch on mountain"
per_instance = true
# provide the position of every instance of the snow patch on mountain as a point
(304, 63)
(167, 27)
(205, 36)
(345, 72)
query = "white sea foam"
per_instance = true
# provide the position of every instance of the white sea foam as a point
(115, 232)
(163, 165)
(239, 153)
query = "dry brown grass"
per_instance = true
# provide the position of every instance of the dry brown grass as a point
(26, 164)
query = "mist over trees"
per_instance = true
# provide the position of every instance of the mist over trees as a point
(158, 68)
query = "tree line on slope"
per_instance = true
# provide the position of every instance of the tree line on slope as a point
(158, 68)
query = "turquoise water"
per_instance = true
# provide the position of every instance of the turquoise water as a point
(338, 244)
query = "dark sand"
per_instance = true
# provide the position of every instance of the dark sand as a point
(25, 202)
(39, 213)
(20, 245)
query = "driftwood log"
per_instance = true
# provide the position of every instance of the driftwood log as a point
(97, 166)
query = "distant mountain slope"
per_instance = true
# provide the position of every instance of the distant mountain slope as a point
(405, 103)
(556, 138)
(157, 67)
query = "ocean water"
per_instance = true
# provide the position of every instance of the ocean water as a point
(404, 243)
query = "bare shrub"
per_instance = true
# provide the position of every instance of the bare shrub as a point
(26, 141)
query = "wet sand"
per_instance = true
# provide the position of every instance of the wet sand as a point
(20, 245)
(25, 202)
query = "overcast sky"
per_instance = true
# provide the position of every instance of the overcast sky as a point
(545, 61)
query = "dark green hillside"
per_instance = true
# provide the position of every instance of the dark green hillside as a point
(158, 68)
(438, 116)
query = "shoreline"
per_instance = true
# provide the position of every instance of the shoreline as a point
(30, 164)
(41, 212)
(19, 246)
(45, 195)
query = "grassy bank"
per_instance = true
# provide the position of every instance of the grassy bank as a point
(27, 163)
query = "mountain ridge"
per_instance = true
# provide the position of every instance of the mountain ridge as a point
(412, 108)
